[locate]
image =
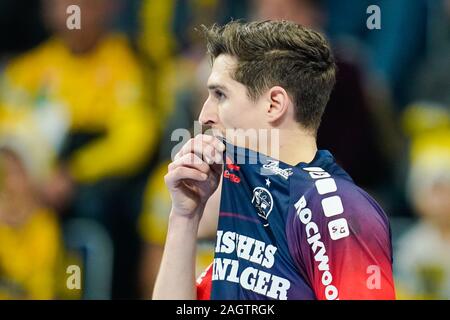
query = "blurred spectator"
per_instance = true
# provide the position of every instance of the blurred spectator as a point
(30, 240)
(91, 84)
(423, 257)
(431, 79)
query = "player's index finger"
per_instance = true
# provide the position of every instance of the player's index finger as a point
(189, 159)
(218, 145)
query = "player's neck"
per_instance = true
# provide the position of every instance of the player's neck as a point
(296, 146)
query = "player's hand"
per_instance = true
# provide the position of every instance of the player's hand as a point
(194, 174)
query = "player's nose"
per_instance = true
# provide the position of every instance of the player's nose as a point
(209, 114)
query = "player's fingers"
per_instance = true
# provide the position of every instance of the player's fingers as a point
(211, 154)
(187, 148)
(208, 148)
(181, 173)
(194, 145)
(214, 149)
(216, 168)
(219, 146)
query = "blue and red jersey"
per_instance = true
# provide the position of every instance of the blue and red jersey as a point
(296, 232)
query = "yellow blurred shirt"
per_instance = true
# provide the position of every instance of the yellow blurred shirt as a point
(102, 91)
(29, 258)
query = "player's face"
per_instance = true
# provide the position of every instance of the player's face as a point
(228, 106)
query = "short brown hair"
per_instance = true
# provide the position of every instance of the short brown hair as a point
(280, 53)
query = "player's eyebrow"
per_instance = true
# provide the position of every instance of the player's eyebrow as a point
(214, 86)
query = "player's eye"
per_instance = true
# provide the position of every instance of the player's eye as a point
(219, 94)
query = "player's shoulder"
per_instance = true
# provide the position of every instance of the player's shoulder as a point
(334, 205)
(333, 193)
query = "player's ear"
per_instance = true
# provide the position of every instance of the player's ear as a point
(279, 102)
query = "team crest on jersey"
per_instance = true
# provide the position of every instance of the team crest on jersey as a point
(272, 167)
(263, 201)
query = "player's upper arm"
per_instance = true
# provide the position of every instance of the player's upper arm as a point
(341, 243)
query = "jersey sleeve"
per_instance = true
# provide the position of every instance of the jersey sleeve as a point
(341, 243)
